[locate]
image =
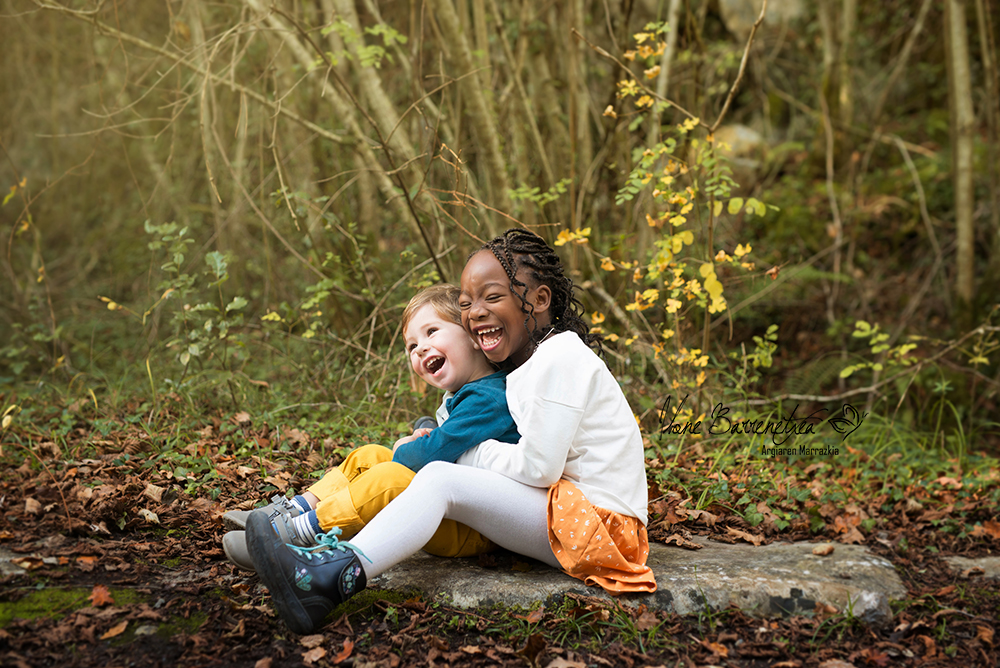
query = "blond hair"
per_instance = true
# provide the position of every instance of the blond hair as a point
(444, 299)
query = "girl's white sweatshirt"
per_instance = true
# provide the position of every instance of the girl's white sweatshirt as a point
(575, 424)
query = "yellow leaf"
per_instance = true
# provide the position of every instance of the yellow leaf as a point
(677, 221)
(700, 380)
(644, 101)
(612, 337)
(7, 419)
(596, 318)
(667, 334)
(706, 269)
(637, 274)
(686, 209)
(641, 37)
(272, 316)
(721, 256)
(610, 111)
(629, 55)
(742, 250)
(564, 237)
(717, 209)
(112, 306)
(672, 306)
(652, 72)
(629, 341)
(735, 204)
(607, 264)
(650, 220)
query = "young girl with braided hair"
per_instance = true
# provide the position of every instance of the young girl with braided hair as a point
(570, 493)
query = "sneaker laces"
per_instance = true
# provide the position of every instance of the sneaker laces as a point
(327, 542)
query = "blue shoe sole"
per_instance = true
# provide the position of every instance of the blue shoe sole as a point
(264, 545)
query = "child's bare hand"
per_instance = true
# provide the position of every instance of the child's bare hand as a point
(412, 437)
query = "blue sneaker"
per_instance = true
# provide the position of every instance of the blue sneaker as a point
(306, 583)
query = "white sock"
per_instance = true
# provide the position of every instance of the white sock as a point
(307, 526)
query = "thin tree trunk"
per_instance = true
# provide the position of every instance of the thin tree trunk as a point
(343, 112)
(962, 127)
(987, 47)
(206, 119)
(904, 57)
(845, 95)
(479, 111)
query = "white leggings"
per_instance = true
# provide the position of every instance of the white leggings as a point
(509, 513)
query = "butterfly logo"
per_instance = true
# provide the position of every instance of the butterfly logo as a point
(850, 421)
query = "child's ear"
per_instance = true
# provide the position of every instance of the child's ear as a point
(542, 298)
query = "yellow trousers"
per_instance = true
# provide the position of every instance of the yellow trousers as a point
(364, 483)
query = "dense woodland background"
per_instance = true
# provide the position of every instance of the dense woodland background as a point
(323, 159)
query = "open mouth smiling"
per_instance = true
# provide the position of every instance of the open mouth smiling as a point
(434, 364)
(489, 337)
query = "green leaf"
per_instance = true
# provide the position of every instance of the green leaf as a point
(217, 263)
(735, 204)
(237, 304)
(847, 371)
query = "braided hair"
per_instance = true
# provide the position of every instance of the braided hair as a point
(517, 248)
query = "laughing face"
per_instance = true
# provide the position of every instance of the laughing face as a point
(441, 351)
(493, 314)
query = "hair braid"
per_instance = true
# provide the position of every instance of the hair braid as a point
(517, 247)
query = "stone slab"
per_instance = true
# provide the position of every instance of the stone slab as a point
(771, 580)
(990, 565)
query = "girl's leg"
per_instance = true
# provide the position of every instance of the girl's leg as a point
(507, 512)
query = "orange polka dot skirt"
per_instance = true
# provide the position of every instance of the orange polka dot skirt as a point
(598, 546)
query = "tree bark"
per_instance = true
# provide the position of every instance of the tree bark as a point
(479, 111)
(962, 127)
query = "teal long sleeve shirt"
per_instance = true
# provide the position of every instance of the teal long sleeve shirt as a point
(476, 413)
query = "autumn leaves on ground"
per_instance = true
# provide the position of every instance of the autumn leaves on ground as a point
(117, 544)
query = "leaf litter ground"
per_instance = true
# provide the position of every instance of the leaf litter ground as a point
(122, 565)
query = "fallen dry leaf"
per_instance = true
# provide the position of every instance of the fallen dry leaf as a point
(313, 655)
(28, 563)
(116, 630)
(989, 528)
(680, 541)
(471, 649)
(534, 616)
(100, 596)
(646, 621)
(560, 662)
(532, 648)
(853, 537)
(984, 634)
(823, 550)
(310, 642)
(149, 516)
(715, 647)
(242, 418)
(345, 652)
(969, 572)
(32, 507)
(703, 517)
(154, 492)
(743, 535)
(263, 663)
(944, 591)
